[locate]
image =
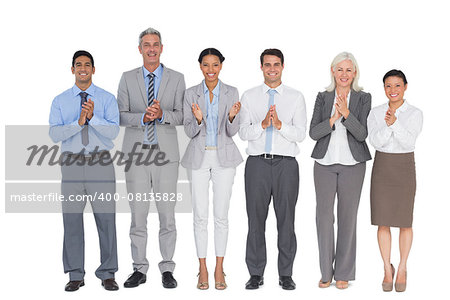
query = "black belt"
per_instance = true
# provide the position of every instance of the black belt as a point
(271, 156)
(89, 157)
(148, 146)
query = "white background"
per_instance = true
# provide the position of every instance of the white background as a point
(40, 37)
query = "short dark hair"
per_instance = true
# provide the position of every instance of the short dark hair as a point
(272, 51)
(82, 53)
(211, 51)
(395, 73)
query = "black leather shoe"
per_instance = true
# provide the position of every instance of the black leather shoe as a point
(168, 281)
(74, 285)
(287, 283)
(110, 284)
(254, 282)
(135, 279)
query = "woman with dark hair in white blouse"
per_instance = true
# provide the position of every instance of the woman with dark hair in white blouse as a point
(393, 129)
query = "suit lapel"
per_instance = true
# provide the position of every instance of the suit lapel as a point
(222, 102)
(141, 83)
(201, 99)
(329, 101)
(163, 84)
(354, 98)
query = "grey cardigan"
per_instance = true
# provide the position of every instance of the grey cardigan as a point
(356, 124)
(227, 151)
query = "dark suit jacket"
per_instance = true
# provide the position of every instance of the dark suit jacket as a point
(356, 124)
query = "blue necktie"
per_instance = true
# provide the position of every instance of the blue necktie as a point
(151, 97)
(84, 131)
(269, 130)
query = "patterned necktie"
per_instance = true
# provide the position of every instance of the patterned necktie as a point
(269, 130)
(84, 131)
(151, 97)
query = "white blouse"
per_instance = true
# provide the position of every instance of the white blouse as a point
(401, 136)
(338, 151)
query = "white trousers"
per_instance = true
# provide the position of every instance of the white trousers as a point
(222, 180)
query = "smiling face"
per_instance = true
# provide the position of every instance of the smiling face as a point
(394, 88)
(211, 67)
(272, 69)
(83, 70)
(343, 73)
(151, 49)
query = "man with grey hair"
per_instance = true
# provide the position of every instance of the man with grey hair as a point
(150, 103)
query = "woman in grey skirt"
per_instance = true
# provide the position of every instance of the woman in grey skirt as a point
(393, 129)
(339, 125)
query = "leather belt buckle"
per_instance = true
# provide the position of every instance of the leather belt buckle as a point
(267, 156)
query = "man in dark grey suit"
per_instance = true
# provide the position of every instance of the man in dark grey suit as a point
(273, 121)
(150, 104)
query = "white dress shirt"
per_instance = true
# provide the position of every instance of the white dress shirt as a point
(338, 151)
(291, 110)
(401, 136)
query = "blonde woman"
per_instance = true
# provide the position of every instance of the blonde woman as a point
(339, 125)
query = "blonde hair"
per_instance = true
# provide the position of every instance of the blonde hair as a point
(341, 57)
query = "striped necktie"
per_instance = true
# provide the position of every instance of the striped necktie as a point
(269, 130)
(84, 131)
(151, 97)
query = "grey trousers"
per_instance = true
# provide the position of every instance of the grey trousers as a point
(264, 179)
(144, 182)
(79, 181)
(345, 182)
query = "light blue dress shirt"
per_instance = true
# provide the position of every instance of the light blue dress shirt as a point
(212, 115)
(156, 83)
(103, 127)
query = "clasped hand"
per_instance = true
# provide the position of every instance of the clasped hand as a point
(341, 109)
(153, 112)
(271, 119)
(390, 117)
(87, 112)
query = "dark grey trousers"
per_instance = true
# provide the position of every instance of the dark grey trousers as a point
(345, 182)
(264, 179)
(88, 180)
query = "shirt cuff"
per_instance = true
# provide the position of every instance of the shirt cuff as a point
(394, 126)
(162, 119)
(142, 120)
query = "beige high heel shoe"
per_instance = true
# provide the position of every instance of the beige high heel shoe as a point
(387, 286)
(324, 285)
(400, 287)
(202, 285)
(221, 285)
(342, 285)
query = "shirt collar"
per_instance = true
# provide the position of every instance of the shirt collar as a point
(90, 90)
(402, 108)
(279, 88)
(216, 90)
(158, 71)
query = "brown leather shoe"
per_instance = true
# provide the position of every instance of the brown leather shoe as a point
(74, 285)
(110, 284)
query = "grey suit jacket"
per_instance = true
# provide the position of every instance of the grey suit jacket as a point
(227, 151)
(132, 99)
(356, 124)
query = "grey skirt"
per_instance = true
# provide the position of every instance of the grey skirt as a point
(392, 189)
